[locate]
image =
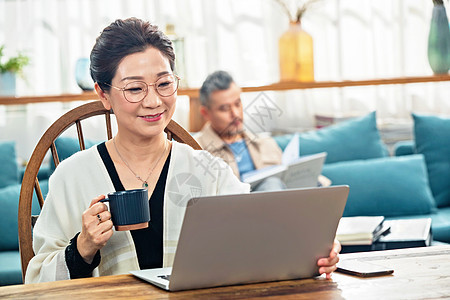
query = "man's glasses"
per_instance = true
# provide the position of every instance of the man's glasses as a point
(136, 91)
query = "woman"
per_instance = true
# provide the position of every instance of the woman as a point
(132, 65)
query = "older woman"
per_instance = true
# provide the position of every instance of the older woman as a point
(132, 64)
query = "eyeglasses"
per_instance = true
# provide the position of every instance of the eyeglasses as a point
(136, 91)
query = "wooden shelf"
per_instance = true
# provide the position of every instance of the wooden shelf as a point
(48, 98)
(195, 119)
(280, 86)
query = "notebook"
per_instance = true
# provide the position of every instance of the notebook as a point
(362, 230)
(255, 237)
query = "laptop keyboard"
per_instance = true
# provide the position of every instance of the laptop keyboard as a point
(166, 277)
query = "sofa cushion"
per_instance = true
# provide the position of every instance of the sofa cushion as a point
(9, 202)
(9, 171)
(432, 137)
(66, 146)
(10, 268)
(404, 148)
(354, 139)
(441, 225)
(390, 186)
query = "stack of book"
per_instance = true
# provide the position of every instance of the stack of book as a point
(407, 233)
(358, 234)
(360, 230)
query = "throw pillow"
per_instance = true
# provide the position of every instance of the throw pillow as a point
(391, 186)
(432, 137)
(404, 148)
(357, 138)
(66, 146)
(9, 171)
(9, 202)
(283, 140)
(354, 139)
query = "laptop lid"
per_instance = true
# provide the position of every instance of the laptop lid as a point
(256, 237)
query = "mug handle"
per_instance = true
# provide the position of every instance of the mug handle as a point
(104, 200)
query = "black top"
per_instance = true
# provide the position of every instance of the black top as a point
(148, 241)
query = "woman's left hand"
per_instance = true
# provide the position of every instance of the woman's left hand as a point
(328, 265)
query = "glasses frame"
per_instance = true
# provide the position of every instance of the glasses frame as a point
(177, 78)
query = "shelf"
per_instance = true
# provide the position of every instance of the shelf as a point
(280, 86)
(195, 119)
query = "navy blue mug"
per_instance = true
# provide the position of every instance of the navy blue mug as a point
(129, 209)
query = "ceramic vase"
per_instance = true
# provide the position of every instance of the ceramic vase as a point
(83, 75)
(296, 54)
(7, 84)
(439, 41)
(179, 49)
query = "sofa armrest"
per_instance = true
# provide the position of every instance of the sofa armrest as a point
(404, 148)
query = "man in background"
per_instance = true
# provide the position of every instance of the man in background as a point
(224, 135)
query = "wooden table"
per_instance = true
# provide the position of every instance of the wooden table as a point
(419, 273)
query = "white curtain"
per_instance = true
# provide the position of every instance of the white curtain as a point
(353, 40)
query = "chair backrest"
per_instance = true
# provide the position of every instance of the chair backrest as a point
(30, 182)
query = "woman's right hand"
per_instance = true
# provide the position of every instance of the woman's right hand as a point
(95, 231)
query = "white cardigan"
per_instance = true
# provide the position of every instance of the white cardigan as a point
(83, 176)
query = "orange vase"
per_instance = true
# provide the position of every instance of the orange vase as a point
(296, 54)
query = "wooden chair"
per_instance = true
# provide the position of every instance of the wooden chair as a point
(46, 143)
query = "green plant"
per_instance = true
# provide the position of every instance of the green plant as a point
(13, 64)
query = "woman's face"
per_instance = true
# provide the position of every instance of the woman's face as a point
(150, 116)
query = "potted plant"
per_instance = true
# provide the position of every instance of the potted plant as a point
(9, 68)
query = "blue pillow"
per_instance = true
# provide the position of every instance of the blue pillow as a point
(9, 202)
(357, 138)
(391, 186)
(432, 137)
(66, 146)
(9, 171)
(354, 139)
(283, 140)
(404, 148)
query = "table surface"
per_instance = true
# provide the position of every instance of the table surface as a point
(418, 273)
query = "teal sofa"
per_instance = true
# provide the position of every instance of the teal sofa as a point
(10, 179)
(412, 183)
(10, 183)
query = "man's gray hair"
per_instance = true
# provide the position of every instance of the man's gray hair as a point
(217, 81)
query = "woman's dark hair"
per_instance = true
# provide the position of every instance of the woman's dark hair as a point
(122, 38)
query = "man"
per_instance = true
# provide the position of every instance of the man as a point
(224, 134)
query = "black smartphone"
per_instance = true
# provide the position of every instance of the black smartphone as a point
(362, 269)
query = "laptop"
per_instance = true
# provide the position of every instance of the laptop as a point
(298, 173)
(255, 237)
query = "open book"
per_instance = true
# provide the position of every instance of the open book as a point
(295, 171)
(360, 230)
